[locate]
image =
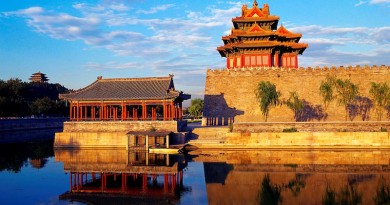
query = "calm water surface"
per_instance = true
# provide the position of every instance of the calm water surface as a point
(34, 173)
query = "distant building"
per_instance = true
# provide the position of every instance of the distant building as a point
(256, 41)
(39, 78)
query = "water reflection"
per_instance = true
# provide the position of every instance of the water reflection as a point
(119, 176)
(296, 177)
(14, 156)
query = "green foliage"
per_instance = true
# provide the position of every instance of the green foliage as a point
(292, 129)
(327, 91)
(380, 92)
(267, 96)
(196, 107)
(346, 93)
(20, 99)
(383, 129)
(343, 90)
(295, 104)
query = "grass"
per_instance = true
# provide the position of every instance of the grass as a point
(292, 129)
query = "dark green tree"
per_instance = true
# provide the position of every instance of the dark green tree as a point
(19, 99)
(380, 92)
(267, 96)
(196, 107)
(43, 107)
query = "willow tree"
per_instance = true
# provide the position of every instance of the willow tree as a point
(295, 104)
(346, 93)
(267, 96)
(327, 91)
(380, 92)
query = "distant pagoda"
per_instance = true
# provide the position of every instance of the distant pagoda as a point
(38, 78)
(256, 40)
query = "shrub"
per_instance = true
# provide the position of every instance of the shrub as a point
(292, 129)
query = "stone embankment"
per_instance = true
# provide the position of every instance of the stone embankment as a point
(112, 134)
(309, 136)
(19, 124)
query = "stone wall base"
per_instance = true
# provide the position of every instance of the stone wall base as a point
(310, 140)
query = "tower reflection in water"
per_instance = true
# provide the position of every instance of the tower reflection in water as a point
(108, 176)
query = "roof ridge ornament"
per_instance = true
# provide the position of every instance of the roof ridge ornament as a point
(255, 3)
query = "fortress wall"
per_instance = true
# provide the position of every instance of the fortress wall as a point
(231, 93)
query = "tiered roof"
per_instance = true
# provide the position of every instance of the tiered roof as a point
(153, 88)
(39, 77)
(256, 28)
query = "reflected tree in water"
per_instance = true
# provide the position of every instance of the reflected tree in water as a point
(382, 192)
(14, 156)
(296, 185)
(270, 194)
(348, 195)
(329, 197)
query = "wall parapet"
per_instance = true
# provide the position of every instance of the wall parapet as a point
(300, 69)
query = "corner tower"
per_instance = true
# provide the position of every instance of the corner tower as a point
(255, 40)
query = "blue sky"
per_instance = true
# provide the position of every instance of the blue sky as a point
(73, 42)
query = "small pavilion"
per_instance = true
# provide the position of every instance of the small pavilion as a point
(127, 99)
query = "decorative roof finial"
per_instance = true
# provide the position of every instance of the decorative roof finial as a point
(255, 3)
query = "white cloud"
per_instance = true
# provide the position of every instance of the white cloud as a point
(379, 1)
(361, 2)
(156, 9)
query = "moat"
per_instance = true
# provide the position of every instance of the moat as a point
(35, 173)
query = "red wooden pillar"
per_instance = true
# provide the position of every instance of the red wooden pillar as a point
(115, 112)
(77, 111)
(172, 110)
(144, 113)
(181, 178)
(135, 113)
(85, 112)
(165, 182)
(144, 182)
(242, 60)
(164, 111)
(296, 61)
(173, 182)
(123, 111)
(102, 181)
(123, 182)
(269, 60)
(70, 111)
(81, 113)
(180, 110)
(168, 116)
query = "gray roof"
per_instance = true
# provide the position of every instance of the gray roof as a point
(128, 89)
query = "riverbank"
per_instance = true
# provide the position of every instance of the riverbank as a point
(20, 124)
(365, 135)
